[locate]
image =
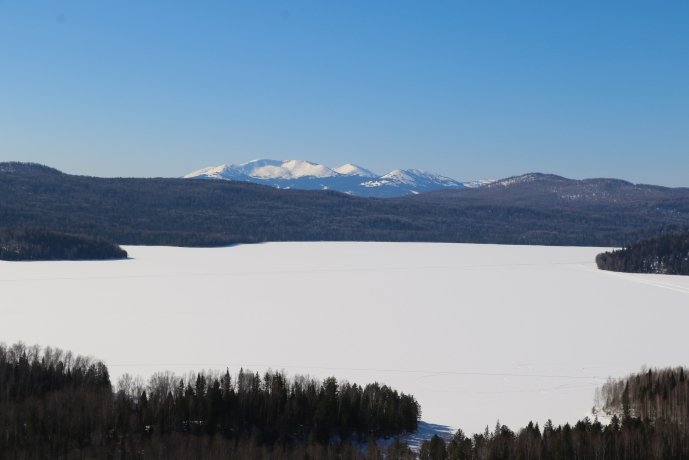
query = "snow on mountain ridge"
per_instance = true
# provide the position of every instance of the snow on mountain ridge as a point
(413, 178)
(289, 169)
(348, 178)
(265, 169)
(395, 177)
(211, 172)
(350, 169)
(399, 176)
(301, 168)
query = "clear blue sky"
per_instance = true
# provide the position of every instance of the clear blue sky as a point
(471, 89)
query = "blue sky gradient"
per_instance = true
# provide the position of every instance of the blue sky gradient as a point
(471, 89)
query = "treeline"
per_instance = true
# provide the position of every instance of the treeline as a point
(56, 405)
(667, 254)
(269, 409)
(36, 244)
(648, 422)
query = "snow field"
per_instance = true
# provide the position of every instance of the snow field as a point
(475, 332)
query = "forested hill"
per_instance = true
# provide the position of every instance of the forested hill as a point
(183, 212)
(548, 191)
(667, 254)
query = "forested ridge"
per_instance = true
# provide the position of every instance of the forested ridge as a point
(185, 212)
(57, 405)
(666, 254)
(37, 244)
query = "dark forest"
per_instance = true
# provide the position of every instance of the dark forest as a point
(54, 404)
(57, 405)
(33, 244)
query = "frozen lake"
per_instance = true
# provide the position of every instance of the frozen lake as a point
(475, 332)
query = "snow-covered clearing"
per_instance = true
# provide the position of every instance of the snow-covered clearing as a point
(475, 332)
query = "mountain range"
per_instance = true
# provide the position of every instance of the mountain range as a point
(349, 178)
(529, 209)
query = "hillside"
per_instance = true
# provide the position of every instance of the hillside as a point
(537, 209)
(667, 254)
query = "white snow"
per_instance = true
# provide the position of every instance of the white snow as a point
(433, 177)
(265, 169)
(215, 172)
(475, 332)
(350, 169)
(411, 177)
(399, 176)
(294, 169)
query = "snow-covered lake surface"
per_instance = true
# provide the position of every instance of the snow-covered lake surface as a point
(476, 332)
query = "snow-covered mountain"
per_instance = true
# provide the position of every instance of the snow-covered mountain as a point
(348, 178)
(412, 181)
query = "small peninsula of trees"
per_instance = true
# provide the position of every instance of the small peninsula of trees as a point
(35, 244)
(57, 405)
(667, 254)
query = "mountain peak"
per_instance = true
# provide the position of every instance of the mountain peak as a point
(399, 176)
(350, 169)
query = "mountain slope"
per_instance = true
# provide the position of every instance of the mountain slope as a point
(349, 178)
